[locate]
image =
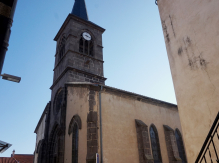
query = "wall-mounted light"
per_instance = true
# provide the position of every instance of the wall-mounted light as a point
(11, 78)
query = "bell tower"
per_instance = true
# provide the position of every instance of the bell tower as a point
(79, 50)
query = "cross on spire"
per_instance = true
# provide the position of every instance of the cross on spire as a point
(80, 9)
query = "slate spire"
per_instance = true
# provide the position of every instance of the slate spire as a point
(80, 9)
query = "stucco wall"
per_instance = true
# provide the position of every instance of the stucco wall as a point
(119, 130)
(77, 103)
(191, 34)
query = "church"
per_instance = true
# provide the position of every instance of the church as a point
(88, 122)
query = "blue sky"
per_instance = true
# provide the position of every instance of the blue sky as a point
(134, 54)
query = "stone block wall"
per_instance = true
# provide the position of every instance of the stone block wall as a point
(171, 145)
(72, 57)
(92, 132)
(144, 148)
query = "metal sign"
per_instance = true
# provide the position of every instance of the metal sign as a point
(97, 158)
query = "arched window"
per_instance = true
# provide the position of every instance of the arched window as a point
(75, 144)
(155, 145)
(180, 146)
(81, 45)
(61, 48)
(58, 101)
(39, 151)
(86, 46)
(91, 49)
(54, 143)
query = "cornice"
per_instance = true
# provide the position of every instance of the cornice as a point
(76, 53)
(77, 70)
(123, 93)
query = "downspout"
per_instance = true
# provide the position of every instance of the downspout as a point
(100, 112)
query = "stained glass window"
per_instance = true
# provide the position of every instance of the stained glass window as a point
(180, 146)
(155, 145)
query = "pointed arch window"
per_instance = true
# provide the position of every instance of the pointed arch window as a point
(58, 101)
(74, 126)
(81, 45)
(75, 143)
(86, 46)
(61, 48)
(39, 151)
(56, 146)
(155, 145)
(180, 146)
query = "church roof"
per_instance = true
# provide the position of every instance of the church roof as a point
(42, 116)
(80, 9)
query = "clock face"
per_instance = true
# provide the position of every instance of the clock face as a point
(86, 36)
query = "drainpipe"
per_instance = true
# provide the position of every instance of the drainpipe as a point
(100, 112)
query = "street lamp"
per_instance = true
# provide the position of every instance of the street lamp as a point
(4, 146)
(11, 78)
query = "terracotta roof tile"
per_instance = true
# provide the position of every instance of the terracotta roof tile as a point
(7, 160)
(17, 159)
(24, 158)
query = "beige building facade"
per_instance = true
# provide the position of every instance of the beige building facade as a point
(87, 121)
(119, 112)
(191, 35)
(120, 126)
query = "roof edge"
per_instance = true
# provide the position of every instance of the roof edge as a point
(69, 17)
(131, 94)
(41, 118)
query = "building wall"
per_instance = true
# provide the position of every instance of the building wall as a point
(119, 131)
(191, 35)
(77, 103)
(35, 157)
(39, 136)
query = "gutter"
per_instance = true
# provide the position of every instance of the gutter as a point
(100, 112)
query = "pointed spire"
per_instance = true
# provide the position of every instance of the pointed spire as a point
(80, 9)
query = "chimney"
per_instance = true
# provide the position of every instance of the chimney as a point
(13, 152)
